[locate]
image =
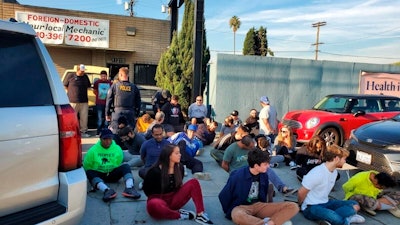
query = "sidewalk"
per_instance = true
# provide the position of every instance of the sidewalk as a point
(123, 211)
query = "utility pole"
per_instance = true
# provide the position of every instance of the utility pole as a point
(129, 7)
(317, 25)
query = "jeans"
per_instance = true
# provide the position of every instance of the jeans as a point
(334, 211)
(101, 118)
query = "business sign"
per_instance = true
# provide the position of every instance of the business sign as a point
(380, 83)
(69, 30)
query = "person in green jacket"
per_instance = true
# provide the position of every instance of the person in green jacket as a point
(367, 188)
(103, 163)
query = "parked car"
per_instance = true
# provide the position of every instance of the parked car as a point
(336, 115)
(376, 146)
(42, 179)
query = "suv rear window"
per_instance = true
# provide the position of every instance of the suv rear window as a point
(22, 74)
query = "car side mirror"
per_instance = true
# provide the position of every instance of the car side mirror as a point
(359, 113)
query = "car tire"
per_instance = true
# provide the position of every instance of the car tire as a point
(331, 136)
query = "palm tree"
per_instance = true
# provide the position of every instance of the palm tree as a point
(234, 23)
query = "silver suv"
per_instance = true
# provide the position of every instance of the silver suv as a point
(41, 174)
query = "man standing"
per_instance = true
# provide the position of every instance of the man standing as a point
(313, 195)
(100, 89)
(125, 97)
(268, 119)
(77, 86)
(197, 111)
(103, 163)
(244, 196)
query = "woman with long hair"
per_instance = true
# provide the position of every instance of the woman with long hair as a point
(166, 192)
(285, 144)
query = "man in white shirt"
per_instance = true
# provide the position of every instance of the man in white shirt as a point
(268, 119)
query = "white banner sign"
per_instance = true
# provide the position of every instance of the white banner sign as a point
(380, 83)
(77, 31)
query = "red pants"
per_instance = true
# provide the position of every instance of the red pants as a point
(166, 206)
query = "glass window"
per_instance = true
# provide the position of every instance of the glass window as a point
(23, 78)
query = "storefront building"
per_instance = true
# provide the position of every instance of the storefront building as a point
(113, 41)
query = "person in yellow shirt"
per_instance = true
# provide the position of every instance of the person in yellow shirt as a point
(143, 123)
(367, 188)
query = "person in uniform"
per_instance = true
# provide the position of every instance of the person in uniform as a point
(124, 99)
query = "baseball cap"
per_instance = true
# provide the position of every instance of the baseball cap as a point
(192, 127)
(82, 67)
(106, 133)
(164, 93)
(235, 113)
(264, 99)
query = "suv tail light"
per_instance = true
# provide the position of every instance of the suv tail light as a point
(70, 140)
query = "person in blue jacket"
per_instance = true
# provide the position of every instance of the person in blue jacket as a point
(244, 196)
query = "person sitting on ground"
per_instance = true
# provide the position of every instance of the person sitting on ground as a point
(309, 156)
(133, 142)
(173, 114)
(189, 146)
(167, 194)
(143, 123)
(367, 188)
(150, 150)
(197, 111)
(313, 195)
(244, 197)
(285, 144)
(206, 131)
(236, 120)
(235, 156)
(252, 122)
(103, 163)
(227, 127)
(223, 142)
(264, 144)
(159, 119)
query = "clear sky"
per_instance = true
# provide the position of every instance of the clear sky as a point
(355, 31)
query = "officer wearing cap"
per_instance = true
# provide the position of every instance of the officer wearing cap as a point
(124, 96)
(159, 100)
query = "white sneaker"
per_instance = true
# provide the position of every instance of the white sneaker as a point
(356, 219)
(287, 223)
(292, 163)
(202, 176)
(85, 135)
(140, 186)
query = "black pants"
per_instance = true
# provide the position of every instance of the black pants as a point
(95, 176)
(190, 162)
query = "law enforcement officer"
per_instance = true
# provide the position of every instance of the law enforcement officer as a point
(124, 97)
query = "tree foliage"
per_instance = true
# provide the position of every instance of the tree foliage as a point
(234, 23)
(175, 68)
(256, 43)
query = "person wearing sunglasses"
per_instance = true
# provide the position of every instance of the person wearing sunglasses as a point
(285, 144)
(197, 111)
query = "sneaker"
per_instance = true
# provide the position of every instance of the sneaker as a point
(356, 219)
(85, 135)
(292, 163)
(186, 214)
(287, 223)
(289, 191)
(141, 185)
(200, 151)
(202, 176)
(369, 211)
(324, 222)
(395, 212)
(131, 193)
(109, 194)
(274, 165)
(203, 219)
